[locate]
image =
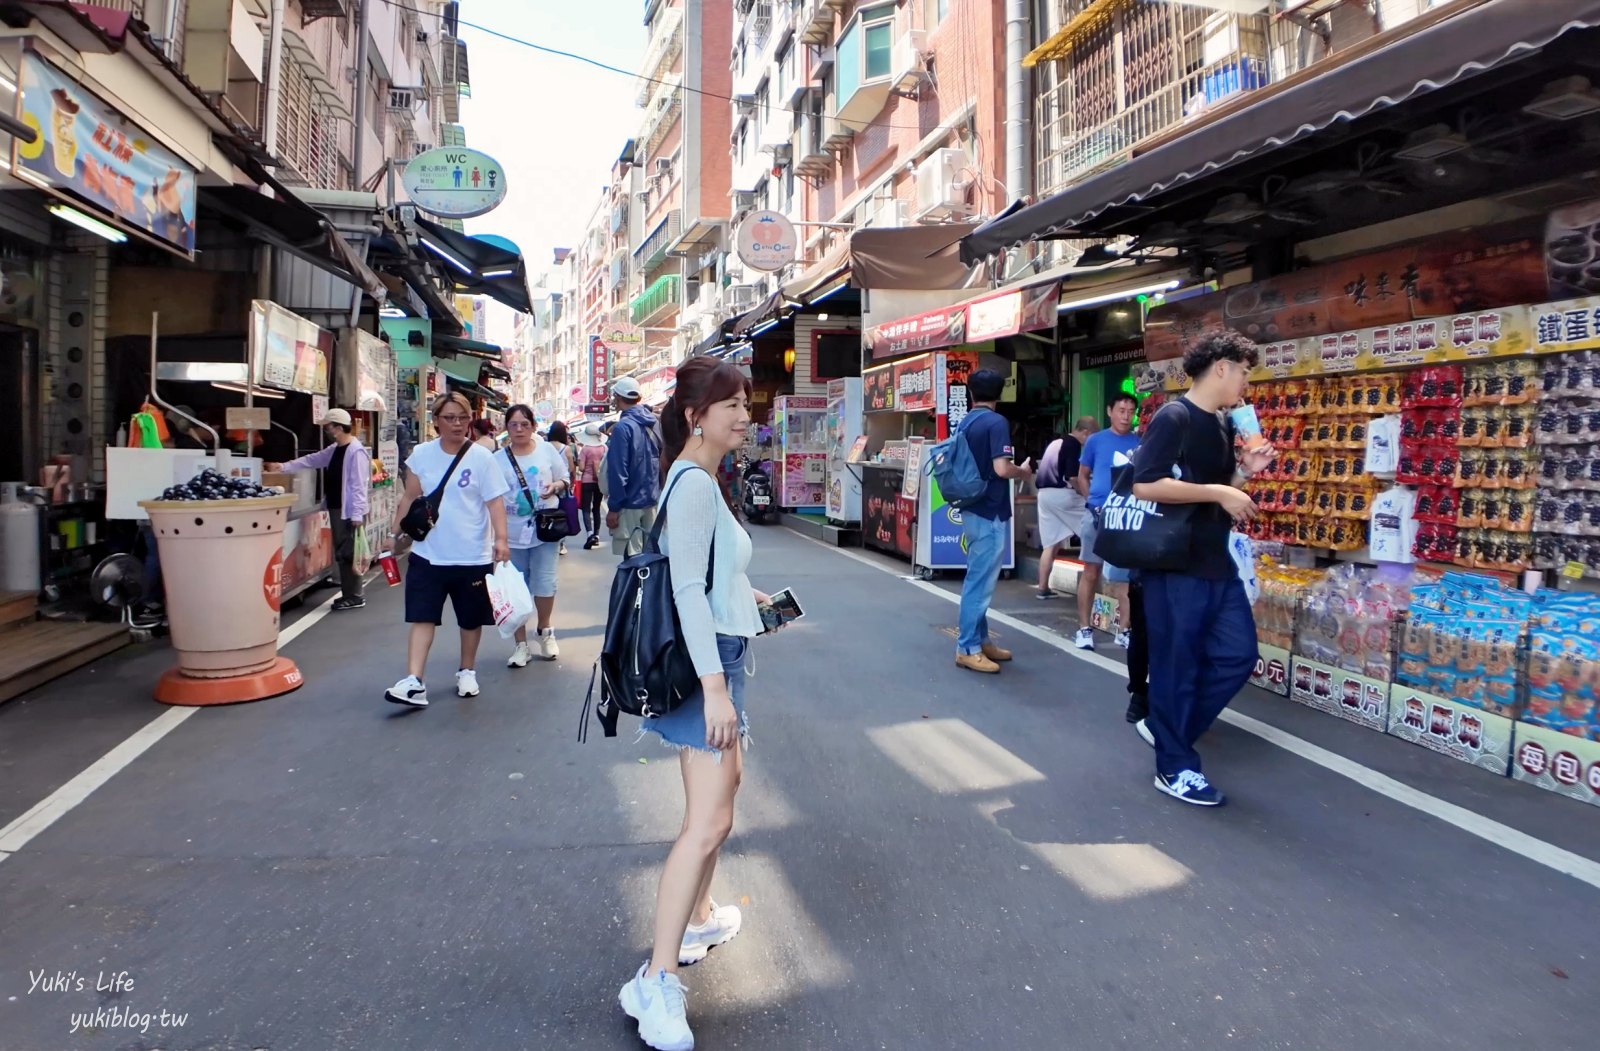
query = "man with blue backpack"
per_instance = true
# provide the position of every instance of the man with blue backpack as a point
(974, 471)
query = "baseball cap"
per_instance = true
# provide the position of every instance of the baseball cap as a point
(338, 416)
(627, 387)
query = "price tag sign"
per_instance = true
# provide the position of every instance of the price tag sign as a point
(1572, 571)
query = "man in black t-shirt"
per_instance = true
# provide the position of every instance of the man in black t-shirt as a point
(985, 522)
(1202, 636)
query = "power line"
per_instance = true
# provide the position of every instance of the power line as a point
(614, 69)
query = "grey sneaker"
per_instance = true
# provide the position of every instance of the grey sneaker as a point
(657, 1002)
(719, 930)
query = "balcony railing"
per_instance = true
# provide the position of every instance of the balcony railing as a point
(661, 112)
(656, 300)
(653, 251)
(815, 24)
(666, 44)
(1136, 72)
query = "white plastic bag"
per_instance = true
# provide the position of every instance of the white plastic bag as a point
(509, 598)
(1243, 550)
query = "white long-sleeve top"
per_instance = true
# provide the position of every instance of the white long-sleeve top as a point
(695, 513)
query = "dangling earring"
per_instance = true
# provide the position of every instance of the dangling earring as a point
(698, 431)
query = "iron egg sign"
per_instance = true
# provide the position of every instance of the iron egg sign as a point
(455, 182)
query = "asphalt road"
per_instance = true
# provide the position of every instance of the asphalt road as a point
(926, 858)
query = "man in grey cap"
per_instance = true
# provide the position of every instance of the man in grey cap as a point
(347, 476)
(633, 470)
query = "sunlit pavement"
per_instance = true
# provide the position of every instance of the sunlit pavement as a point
(926, 858)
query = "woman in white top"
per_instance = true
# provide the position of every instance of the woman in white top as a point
(706, 419)
(543, 478)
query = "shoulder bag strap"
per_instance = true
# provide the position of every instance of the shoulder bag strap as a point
(661, 520)
(436, 498)
(522, 480)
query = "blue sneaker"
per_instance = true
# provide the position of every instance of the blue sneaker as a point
(1190, 786)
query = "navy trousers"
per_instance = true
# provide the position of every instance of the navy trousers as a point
(1202, 651)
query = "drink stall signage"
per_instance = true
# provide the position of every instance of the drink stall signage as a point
(877, 387)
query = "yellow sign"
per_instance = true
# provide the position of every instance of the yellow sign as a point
(1570, 325)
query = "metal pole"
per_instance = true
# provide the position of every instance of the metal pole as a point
(155, 329)
(1016, 98)
(358, 153)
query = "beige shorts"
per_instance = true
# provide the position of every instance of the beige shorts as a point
(633, 526)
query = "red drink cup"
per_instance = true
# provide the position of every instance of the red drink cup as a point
(391, 568)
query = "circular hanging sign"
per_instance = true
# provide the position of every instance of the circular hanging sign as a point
(455, 182)
(545, 409)
(766, 241)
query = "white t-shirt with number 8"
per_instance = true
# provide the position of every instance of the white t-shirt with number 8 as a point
(461, 536)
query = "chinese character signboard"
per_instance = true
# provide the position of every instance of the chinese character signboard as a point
(454, 182)
(982, 320)
(288, 351)
(877, 389)
(1570, 325)
(935, 328)
(599, 369)
(913, 385)
(91, 155)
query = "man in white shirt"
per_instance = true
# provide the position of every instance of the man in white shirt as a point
(456, 557)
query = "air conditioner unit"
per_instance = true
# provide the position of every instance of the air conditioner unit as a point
(422, 35)
(909, 65)
(739, 297)
(941, 186)
(746, 200)
(419, 148)
(663, 166)
(889, 213)
(402, 98)
(746, 104)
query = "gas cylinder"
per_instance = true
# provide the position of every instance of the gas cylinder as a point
(19, 540)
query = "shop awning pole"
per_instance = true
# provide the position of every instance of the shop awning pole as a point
(155, 330)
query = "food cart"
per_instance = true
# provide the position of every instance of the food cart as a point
(907, 405)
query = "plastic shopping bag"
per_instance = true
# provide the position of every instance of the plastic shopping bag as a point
(509, 598)
(1243, 550)
(362, 557)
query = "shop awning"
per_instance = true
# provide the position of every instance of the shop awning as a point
(494, 372)
(495, 399)
(767, 310)
(294, 226)
(478, 266)
(444, 343)
(909, 257)
(1455, 48)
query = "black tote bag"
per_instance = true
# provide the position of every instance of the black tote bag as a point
(1142, 534)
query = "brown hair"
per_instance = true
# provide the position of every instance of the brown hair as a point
(446, 398)
(702, 382)
(522, 410)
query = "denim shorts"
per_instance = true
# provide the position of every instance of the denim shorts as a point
(537, 565)
(685, 726)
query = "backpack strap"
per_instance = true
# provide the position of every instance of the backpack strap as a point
(653, 544)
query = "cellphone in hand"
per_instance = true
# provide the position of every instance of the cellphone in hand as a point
(780, 611)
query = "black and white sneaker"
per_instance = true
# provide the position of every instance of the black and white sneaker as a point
(1190, 786)
(1142, 727)
(409, 691)
(344, 603)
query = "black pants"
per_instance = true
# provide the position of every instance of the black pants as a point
(344, 555)
(593, 516)
(1138, 654)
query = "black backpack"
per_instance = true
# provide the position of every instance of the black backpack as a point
(644, 666)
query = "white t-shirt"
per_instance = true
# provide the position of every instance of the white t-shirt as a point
(461, 536)
(1394, 527)
(1383, 445)
(541, 467)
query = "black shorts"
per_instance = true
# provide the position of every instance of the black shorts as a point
(428, 585)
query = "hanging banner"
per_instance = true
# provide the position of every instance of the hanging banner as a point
(375, 374)
(88, 153)
(287, 349)
(599, 369)
(981, 320)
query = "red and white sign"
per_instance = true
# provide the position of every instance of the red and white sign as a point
(766, 241)
(992, 317)
(599, 369)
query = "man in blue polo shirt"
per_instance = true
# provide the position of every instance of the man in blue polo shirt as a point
(986, 521)
(1104, 454)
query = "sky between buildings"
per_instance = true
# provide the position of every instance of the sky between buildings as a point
(556, 125)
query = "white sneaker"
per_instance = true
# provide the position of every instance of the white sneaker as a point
(718, 930)
(519, 657)
(1142, 727)
(408, 691)
(547, 644)
(1125, 638)
(466, 683)
(1084, 639)
(657, 1003)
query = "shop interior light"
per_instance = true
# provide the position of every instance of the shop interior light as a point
(788, 360)
(1565, 99)
(499, 273)
(1234, 208)
(446, 256)
(391, 312)
(240, 388)
(836, 288)
(1077, 304)
(1424, 144)
(762, 328)
(823, 317)
(71, 215)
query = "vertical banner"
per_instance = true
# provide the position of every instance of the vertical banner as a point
(599, 369)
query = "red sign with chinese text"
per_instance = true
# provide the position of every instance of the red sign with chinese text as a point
(599, 369)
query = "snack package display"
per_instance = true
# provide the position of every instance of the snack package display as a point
(1564, 665)
(1564, 463)
(1281, 588)
(1346, 619)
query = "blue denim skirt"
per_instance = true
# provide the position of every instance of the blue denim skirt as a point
(685, 726)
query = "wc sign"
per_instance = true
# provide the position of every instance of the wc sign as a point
(455, 182)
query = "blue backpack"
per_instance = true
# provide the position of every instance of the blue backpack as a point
(955, 468)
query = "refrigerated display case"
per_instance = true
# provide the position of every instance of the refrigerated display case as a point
(801, 423)
(844, 427)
